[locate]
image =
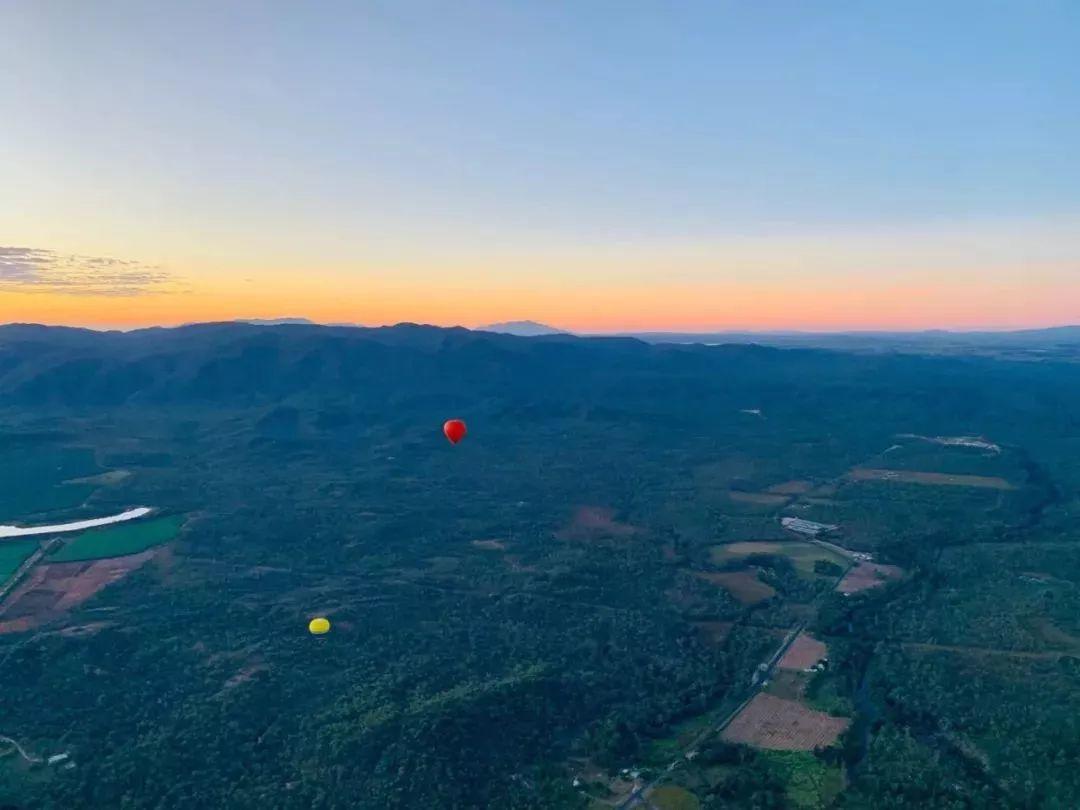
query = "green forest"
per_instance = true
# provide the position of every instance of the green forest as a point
(530, 618)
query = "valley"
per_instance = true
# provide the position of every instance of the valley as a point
(597, 599)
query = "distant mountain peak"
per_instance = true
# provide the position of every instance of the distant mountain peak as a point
(521, 328)
(276, 321)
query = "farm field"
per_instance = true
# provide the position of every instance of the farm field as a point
(12, 554)
(758, 498)
(867, 575)
(803, 555)
(673, 797)
(803, 653)
(792, 487)
(780, 724)
(743, 585)
(52, 589)
(119, 540)
(787, 683)
(929, 478)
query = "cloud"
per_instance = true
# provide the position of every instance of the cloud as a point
(25, 269)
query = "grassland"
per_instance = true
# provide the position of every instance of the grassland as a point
(673, 797)
(12, 553)
(811, 784)
(117, 541)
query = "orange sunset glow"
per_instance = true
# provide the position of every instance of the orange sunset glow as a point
(582, 309)
(656, 181)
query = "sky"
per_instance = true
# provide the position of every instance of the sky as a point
(599, 165)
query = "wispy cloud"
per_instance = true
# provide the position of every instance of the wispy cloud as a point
(37, 270)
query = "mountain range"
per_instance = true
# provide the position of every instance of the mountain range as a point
(238, 362)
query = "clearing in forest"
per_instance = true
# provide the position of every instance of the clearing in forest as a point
(868, 575)
(803, 555)
(803, 653)
(779, 724)
(930, 478)
(743, 585)
(713, 633)
(592, 522)
(791, 488)
(744, 548)
(490, 545)
(759, 498)
(672, 797)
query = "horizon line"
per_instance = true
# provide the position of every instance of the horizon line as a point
(303, 321)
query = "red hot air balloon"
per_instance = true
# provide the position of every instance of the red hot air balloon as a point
(454, 430)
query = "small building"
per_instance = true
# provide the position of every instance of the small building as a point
(808, 527)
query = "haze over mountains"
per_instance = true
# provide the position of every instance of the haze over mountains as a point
(933, 340)
(1061, 342)
(58, 365)
(523, 328)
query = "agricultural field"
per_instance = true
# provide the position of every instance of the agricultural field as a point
(789, 684)
(12, 554)
(115, 541)
(803, 555)
(758, 498)
(866, 575)
(743, 585)
(673, 797)
(929, 478)
(792, 487)
(53, 589)
(804, 652)
(781, 724)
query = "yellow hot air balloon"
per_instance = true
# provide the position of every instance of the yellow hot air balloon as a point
(318, 626)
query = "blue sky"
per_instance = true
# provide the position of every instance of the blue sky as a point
(379, 141)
